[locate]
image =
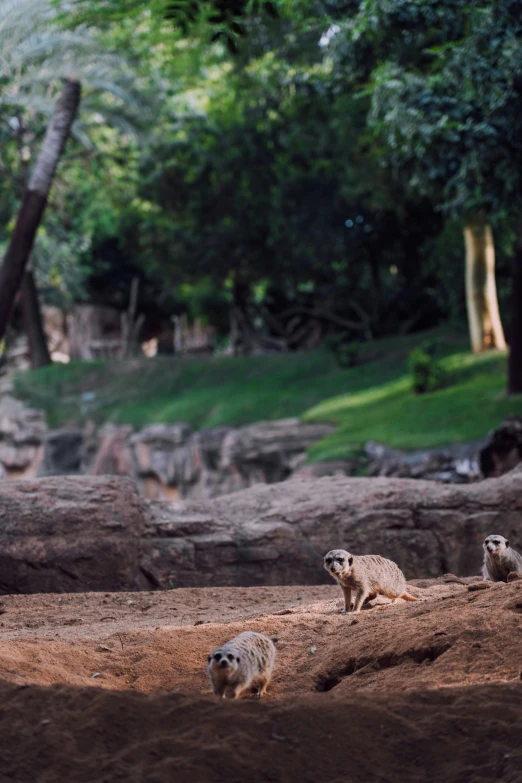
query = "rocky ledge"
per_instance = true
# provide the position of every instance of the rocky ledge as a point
(74, 534)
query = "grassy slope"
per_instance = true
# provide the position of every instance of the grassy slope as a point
(370, 401)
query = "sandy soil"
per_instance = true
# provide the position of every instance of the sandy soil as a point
(428, 689)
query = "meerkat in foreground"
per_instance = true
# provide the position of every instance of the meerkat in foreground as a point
(500, 559)
(243, 664)
(368, 575)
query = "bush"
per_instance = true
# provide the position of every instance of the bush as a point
(346, 353)
(427, 373)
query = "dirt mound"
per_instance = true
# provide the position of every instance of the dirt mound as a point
(399, 693)
(460, 632)
(71, 734)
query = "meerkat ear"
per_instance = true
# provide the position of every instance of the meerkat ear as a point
(238, 659)
(507, 542)
(350, 560)
(209, 659)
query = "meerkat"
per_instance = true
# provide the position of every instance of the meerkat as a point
(243, 664)
(500, 559)
(368, 575)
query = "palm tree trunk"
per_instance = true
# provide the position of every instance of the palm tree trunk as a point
(485, 326)
(38, 350)
(35, 199)
(515, 343)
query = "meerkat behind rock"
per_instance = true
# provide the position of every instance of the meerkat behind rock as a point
(500, 559)
(368, 575)
(243, 664)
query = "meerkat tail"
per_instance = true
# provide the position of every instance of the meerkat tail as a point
(408, 597)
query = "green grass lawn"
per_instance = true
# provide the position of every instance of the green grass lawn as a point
(372, 401)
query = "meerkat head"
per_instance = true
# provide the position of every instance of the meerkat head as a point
(338, 562)
(223, 660)
(496, 545)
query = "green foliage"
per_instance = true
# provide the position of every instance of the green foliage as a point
(346, 352)
(427, 373)
(36, 55)
(444, 102)
(303, 179)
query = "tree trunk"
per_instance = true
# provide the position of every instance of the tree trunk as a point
(35, 199)
(515, 343)
(38, 350)
(485, 326)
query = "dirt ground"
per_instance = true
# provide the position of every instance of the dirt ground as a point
(402, 692)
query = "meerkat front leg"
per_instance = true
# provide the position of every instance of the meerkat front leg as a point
(360, 598)
(347, 591)
(231, 692)
(261, 687)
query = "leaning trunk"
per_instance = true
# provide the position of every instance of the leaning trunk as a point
(38, 350)
(515, 342)
(35, 199)
(485, 326)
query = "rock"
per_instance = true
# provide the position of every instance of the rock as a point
(277, 534)
(113, 457)
(22, 434)
(339, 467)
(163, 460)
(70, 535)
(456, 464)
(95, 533)
(503, 450)
(63, 453)
(172, 462)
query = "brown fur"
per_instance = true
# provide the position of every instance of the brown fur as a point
(500, 559)
(243, 664)
(368, 575)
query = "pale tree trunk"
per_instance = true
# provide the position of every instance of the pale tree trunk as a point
(515, 342)
(35, 199)
(38, 350)
(485, 326)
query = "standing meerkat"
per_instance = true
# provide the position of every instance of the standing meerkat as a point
(368, 575)
(500, 559)
(242, 664)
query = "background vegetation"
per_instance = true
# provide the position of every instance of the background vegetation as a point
(290, 173)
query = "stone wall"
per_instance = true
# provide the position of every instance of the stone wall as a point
(73, 534)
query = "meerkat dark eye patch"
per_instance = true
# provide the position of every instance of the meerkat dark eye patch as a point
(340, 560)
(328, 560)
(217, 656)
(230, 657)
(497, 543)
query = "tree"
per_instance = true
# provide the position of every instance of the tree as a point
(32, 61)
(446, 113)
(35, 199)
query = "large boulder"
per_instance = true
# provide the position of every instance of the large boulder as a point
(503, 450)
(96, 533)
(70, 535)
(278, 533)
